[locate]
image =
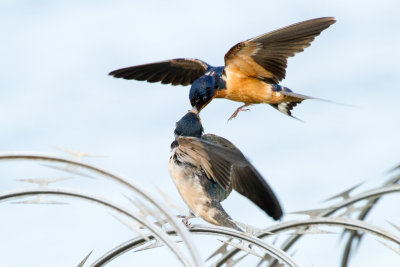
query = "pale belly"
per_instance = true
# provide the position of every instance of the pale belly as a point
(192, 192)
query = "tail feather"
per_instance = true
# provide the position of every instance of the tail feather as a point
(286, 108)
(222, 218)
(292, 99)
(298, 97)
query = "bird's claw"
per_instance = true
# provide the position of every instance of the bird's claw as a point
(186, 221)
(234, 115)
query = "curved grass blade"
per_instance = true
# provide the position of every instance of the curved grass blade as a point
(161, 235)
(209, 230)
(181, 230)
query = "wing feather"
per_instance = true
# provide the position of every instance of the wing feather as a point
(180, 71)
(215, 160)
(247, 181)
(270, 51)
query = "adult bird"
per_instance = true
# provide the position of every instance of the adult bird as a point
(251, 74)
(206, 167)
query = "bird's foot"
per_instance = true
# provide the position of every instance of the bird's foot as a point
(241, 108)
(186, 221)
(186, 218)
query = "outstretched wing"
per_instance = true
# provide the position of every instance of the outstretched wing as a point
(265, 56)
(179, 71)
(247, 181)
(215, 160)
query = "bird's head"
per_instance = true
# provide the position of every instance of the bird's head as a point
(202, 92)
(189, 125)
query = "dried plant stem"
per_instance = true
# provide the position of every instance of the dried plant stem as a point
(75, 194)
(342, 222)
(363, 214)
(123, 248)
(379, 192)
(181, 230)
(366, 195)
(210, 230)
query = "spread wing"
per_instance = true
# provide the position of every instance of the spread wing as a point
(179, 71)
(215, 160)
(265, 56)
(247, 181)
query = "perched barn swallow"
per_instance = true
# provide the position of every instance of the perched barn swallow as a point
(251, 74)
(206, 167)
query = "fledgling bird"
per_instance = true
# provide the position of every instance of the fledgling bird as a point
(251, 74)
(206, 167)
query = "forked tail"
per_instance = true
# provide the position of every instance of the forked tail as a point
(292, 99)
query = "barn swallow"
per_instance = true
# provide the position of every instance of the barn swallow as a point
(206, 167)
(251, 74)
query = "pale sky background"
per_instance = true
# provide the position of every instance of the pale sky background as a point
(55, 92)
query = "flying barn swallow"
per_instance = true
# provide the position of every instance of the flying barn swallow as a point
(251, 74)
(206, 167)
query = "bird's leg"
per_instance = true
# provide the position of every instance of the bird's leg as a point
(241, 108)
(186, 219)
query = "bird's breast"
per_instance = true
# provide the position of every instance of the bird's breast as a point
(196, 189)
(249, 90)
(189, 184)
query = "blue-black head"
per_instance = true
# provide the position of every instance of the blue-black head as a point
(202, 91)
(189, 125)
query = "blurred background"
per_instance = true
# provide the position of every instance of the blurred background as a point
(55, 92)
